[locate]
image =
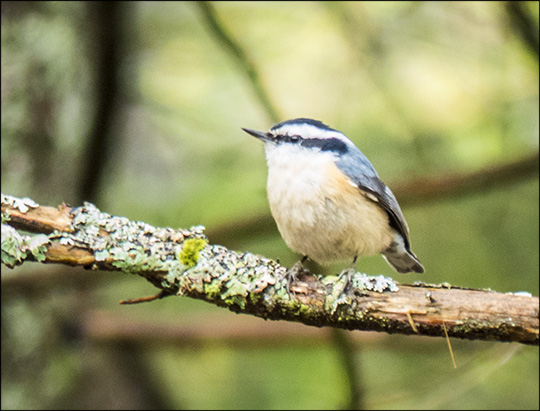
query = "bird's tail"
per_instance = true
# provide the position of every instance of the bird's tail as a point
(404, 262)
(401, 258)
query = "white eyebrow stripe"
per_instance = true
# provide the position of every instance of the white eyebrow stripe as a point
(307, 131)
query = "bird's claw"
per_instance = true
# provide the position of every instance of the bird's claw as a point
(348, 275)
(292, 276)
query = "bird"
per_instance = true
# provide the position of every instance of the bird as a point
(327, 199)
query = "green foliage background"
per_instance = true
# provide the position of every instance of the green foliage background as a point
(423, 88)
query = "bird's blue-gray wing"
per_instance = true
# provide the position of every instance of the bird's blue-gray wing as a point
(359, 169)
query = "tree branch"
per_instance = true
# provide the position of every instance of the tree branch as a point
(412, 192)
(182, 262)
(426, 189)
(523, 24)
(105, 24)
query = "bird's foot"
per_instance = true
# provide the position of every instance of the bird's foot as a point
(342, 290)
(292, 276)
(346, 276)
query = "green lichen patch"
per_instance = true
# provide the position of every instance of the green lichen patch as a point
(37, 246)
(6, 218)
(189, 255)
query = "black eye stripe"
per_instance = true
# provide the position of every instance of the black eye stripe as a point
(288, 139)
(324, 144)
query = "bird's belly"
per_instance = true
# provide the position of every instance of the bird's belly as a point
(327, 218)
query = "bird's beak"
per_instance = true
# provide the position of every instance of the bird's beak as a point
(259, 134)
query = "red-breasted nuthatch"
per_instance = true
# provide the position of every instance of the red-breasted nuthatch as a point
(327, 199)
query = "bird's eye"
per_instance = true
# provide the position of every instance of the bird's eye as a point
(295, 138)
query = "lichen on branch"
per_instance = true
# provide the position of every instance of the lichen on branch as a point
(184, 262)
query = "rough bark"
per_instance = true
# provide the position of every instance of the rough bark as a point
(182, 262)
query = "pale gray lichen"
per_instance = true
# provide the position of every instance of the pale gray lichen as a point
(360, 282)
(132, 246)
(22, 204)
(229, 276)
(378, 283)
(235, 278)
(190, 263)
(16, 247)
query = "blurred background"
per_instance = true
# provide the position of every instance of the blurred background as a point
(137, 107)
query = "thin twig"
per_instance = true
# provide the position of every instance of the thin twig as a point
(237, 52)
(348, 355)
(411, 322)
(523, 24)
(146, 299)
(449, 345)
